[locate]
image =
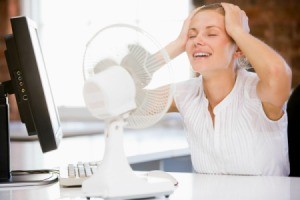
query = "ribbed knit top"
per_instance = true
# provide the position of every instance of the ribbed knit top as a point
(243, 140)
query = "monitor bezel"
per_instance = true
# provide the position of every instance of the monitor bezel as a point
(31, 83)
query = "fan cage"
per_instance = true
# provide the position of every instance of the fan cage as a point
(140, 60)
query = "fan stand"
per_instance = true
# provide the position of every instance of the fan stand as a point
(115, 179)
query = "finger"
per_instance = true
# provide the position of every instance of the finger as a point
(194, 12)
(231, 7)
(227, 5)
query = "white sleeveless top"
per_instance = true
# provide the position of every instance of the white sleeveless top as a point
(243, 141)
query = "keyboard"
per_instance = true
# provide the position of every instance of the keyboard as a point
(75, 174)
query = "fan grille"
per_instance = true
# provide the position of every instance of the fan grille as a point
(136, 51)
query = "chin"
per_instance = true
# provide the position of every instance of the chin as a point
(199, 69)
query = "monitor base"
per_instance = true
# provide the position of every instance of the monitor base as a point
(21, 179)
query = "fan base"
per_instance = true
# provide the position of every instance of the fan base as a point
(134, 187)
(114, 178)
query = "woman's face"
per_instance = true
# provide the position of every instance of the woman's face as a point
(209, 47)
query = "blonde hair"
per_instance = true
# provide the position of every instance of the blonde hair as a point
(215, 6)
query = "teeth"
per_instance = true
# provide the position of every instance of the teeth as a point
(201, 54)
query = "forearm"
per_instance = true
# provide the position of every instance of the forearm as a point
(159, 59)
(175, 48)
(271, 68)
(262, 57)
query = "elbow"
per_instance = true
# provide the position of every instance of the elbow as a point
(280, 74)
(280, 81)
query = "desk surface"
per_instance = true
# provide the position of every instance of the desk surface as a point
(191, 187)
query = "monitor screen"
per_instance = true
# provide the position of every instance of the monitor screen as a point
(30, 83)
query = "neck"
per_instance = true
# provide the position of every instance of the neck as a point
(218, 85)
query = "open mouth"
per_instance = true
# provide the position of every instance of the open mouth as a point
(201, 55)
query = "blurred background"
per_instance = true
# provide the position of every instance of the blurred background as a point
(64, 27)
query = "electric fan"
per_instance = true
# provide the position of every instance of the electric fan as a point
(120, 64)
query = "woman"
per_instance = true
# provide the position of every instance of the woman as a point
(236, 120)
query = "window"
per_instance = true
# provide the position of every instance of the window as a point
(66, 25)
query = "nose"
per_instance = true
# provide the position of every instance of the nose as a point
(198, 40)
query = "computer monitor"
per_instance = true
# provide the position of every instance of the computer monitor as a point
(30, 84)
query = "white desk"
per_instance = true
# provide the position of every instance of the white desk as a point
(191, 187)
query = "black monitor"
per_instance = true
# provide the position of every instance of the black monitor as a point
(30, 84)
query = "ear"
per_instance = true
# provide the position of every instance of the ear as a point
(238, 53)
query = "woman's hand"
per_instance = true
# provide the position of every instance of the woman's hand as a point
(177, 46)
(183, 36)
(236, 20)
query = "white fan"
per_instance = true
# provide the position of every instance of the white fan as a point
(120, 62)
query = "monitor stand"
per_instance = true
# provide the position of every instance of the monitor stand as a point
(17, 178)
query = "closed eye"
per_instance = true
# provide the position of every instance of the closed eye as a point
(212, 34)
(192, 33)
